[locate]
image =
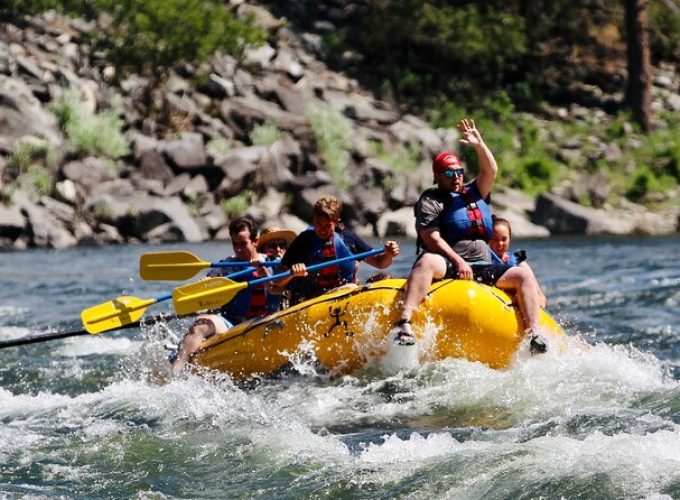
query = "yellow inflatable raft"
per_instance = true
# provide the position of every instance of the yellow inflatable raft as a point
(347, 329)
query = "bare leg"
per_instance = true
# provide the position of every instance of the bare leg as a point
(428, 267)
(543, 301)
(521, 280)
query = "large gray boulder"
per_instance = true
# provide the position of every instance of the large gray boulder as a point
(22, 114)
(12, 223)
(137, 215)
(45, 229)
(398, 223)
(239, 168)
(562, 216)
(89, 172)
(187, 152)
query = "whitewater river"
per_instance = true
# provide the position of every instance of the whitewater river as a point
(96, 417)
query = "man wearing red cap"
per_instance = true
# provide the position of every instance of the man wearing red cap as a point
(454, 224)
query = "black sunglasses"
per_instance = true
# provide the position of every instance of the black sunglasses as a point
(276, 244)
(451, 172)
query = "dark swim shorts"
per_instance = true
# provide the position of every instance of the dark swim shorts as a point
(483, 273)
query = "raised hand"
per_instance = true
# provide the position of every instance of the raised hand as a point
(470, 136)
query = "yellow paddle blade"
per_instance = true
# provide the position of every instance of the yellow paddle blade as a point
(114, 314)
(205, 294)
(170, 266)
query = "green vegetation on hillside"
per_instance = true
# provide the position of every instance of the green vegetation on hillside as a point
(332, 133)
(527, 152)
(31, 163)
(503, 62)
(427, 51)
(150, 36)
(89, 133)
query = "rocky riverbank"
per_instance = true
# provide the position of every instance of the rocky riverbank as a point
(194, 158)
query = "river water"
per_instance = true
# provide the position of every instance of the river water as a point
(96, 417)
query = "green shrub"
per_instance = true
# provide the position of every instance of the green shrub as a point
(664, 36)
(88, 133)
(672, 167)
(37, 179)
(332, 133)
(237, 205)
(21, 158)
(196, 203)
(446, 114)
(535, 175)
(644, 182)
(14, 10)
(401, 159)
(218, 146)
(151, 36)
(421, 48)
(615, 129)
(66, 107)
(31, 162)
(27, 152)
(265, 135)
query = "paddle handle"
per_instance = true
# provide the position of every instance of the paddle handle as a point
(315, 267)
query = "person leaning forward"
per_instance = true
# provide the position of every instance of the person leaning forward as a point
(327, 240)
(247, 304)
(453, 222)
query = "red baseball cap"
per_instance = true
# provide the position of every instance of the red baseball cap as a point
(444, 161)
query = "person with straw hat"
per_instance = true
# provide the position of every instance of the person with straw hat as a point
(273, 243)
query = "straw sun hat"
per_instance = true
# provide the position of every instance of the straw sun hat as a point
(274, 234)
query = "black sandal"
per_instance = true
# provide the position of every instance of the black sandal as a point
(537, 345)
(403, 335)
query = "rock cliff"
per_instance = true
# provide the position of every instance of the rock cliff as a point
(265, 136)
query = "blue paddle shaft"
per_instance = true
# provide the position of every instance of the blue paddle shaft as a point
(237, 274)
(314, 267)
(241, 263)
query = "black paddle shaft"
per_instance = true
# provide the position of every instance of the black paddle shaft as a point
(34, 339)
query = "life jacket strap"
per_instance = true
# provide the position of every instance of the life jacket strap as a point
(258, 301)
(329, 277)
(477, 229)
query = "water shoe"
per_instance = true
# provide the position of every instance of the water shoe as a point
(403, 335)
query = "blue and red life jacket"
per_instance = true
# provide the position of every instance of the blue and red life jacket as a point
(249, 303)
(466, 216)
(329, 277)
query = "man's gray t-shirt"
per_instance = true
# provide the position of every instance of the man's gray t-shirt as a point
(428, 211)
